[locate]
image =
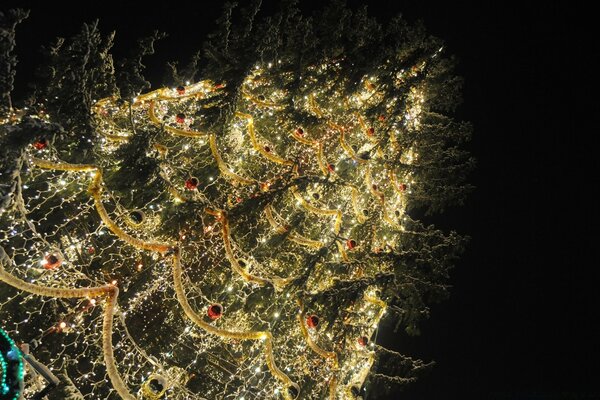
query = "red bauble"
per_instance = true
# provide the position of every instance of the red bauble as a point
(215, 311)
(350, 243)
(40, 144)
(192, 183)
(300, 132)
(219, 86)
(267, 149)
(331, 167)
(312, 321)
(363, 340)
(402, 187)
(381, 118)
(374, 187)
(180, 89)
(370, 131)
(52, 261)
(180, 118)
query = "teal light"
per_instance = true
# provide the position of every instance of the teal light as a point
(10, 381)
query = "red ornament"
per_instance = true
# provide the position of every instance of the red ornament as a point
(238, 199)
(363, 340)
(267, 149)
(374, 187)
(51, 261)
(351, 243)
(402, 187)
(180, 118)
(91, 250)
(215, 311)
(300, 132)
(371, 131)
(381, 118)
(331, 167)
(180, 89)
(192, 183)
(40, 144)
(218, 86)
(312, 321)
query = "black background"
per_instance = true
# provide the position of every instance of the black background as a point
(521, 322)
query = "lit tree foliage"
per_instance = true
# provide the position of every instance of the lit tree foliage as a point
(242, 232)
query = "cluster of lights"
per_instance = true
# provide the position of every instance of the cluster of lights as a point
(11, 368)
(252, 161)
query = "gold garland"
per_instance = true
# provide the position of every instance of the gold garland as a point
(248, 335)
(359, 214)
(259, 102)
(111, 293)
(332, 355)
(223, 166)
(97, 107)
(162, 94)
(365, 129)
(347, 148)
(293, 236)
(174, 131)
(323, 164)
(95, 190)
(379, 195)
(276, 281)
(257, 146)
(303, 140)
(319, 211)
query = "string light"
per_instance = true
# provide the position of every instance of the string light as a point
(283, 210)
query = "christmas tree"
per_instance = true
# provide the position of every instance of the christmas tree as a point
(241, 232)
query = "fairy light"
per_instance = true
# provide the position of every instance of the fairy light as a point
(226, 241)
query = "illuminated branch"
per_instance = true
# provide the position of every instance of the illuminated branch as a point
(277, 282)
(95, 189)
(223, 167)
(259, 102)
(294, 237)
(319, 211)
(257, 146)
(248, 335)
(174, 131)
(345, 145)
(311, 343)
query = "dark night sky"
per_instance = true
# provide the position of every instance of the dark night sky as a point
(521, 322)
